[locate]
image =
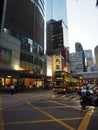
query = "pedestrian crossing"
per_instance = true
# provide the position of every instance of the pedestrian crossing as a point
(72, 97)
(15, 102)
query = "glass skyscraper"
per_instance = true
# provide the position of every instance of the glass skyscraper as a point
(57, 42)
(57, 10)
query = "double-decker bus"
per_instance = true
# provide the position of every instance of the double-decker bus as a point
(64, 82)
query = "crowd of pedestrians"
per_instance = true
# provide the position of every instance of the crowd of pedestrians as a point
(14, 88)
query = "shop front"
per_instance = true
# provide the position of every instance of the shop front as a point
(20, 78)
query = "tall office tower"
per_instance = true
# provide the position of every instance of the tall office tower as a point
(56, 9)
(79, 48)
(22, 34)
(89, 59)
(96, 56)
(57, 36)
(57, 40)
(76, 62)
(56, 15)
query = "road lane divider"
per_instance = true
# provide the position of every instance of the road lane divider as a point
(53, 118)
(86, 119)
(47, 114)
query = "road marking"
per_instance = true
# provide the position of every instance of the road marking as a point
(76, 98)
(47, 114)
(39, 121)
(1, 117)
(85, 121)
(53, 118)
(26, 122)
(65, 105)
(59, 121)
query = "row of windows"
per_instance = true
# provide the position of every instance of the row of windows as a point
(26, 57)
(26, 43)
(1, 10)
(24, 18)
(30, 59)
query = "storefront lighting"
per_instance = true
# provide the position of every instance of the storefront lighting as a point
(9, 76)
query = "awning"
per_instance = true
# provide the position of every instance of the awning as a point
(4, 73)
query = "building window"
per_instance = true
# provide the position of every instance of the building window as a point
(57, 60)
(58, 67)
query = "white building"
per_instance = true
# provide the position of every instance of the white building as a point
(76, 62)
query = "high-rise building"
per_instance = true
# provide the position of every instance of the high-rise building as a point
(57, 42)
(89, 59)
(76, 62)
(57, 36)
(22, 35)
(96, 56)
(56, 9)
(79, 48)
(88, 54)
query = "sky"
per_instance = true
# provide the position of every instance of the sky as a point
(81, 19)
(82, 16)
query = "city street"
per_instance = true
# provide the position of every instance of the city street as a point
(45, 110)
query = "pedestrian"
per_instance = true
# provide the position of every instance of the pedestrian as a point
(12, 89)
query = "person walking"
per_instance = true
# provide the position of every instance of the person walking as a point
(12, 89)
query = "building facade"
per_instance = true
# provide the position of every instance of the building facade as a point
(96, 56)
(22, 35)
(76, 62)
(56, 9)
(89, 59)
(56, 16)
(79, 48)
(57, 43)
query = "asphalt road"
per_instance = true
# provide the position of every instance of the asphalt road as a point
(44, 110)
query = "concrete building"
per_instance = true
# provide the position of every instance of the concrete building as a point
(79, 48)
(96, 56)
(76, 62)
(89, 59)
(21, 37)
